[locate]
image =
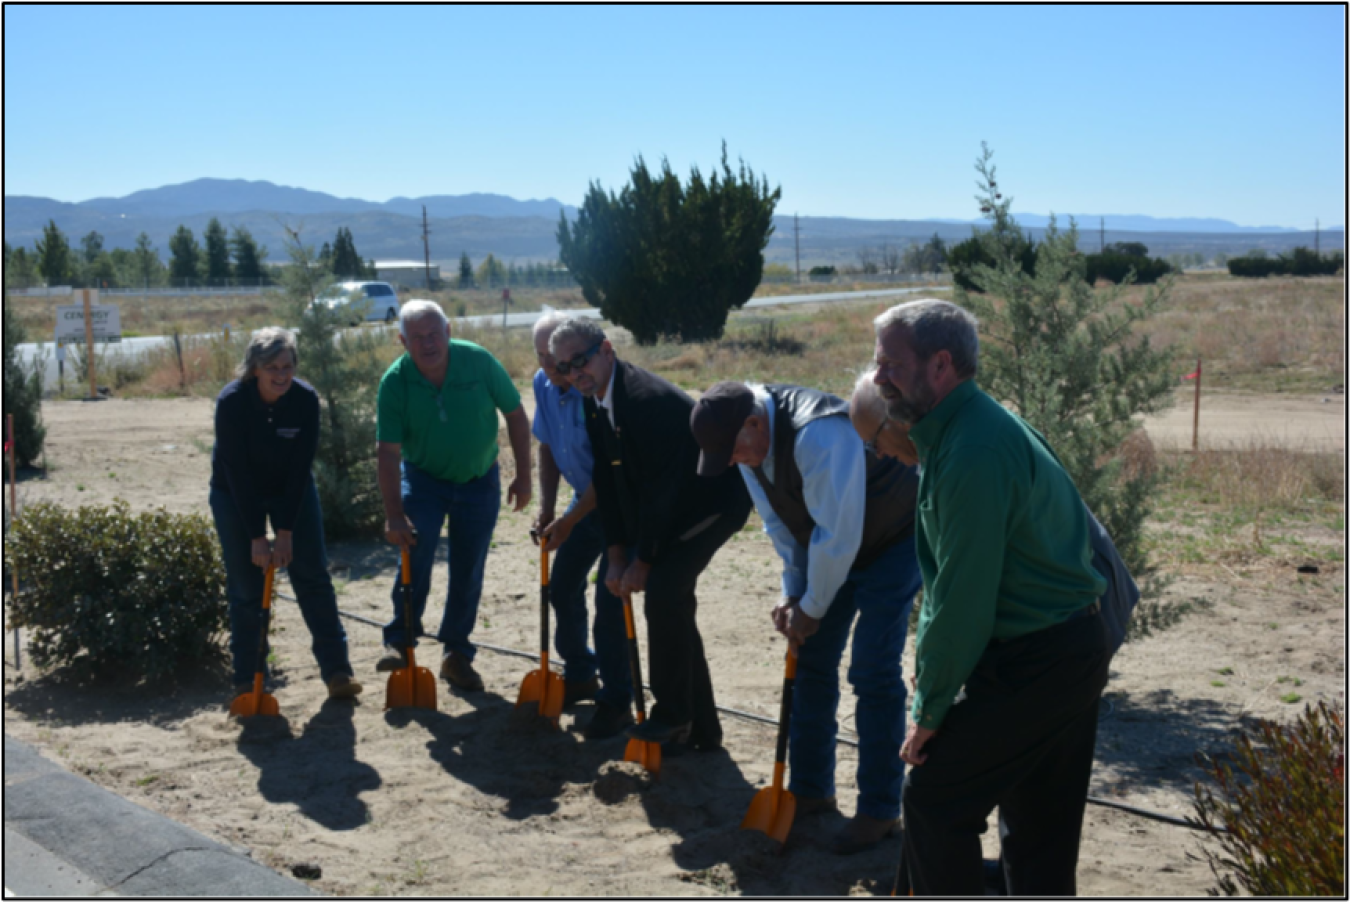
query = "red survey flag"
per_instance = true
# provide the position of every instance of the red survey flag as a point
(1196, 374)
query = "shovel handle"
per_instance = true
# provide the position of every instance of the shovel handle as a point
(785, 710)
(268, 580)
(543, 607)
(634, 662)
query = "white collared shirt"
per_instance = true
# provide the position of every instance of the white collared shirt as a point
(607, 402)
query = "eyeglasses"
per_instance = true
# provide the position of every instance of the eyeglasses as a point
(566, 366)
(872, 445)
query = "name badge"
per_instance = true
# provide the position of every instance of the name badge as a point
(288, 433)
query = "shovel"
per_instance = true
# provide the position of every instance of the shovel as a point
(773, 807)
(257, 701)
(639, 751)
(411, 686)
(543, 685)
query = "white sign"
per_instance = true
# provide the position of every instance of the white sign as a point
(70, 323)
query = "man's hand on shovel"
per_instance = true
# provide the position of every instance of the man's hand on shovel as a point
(795, 624)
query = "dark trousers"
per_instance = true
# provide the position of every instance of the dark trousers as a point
(680, 680)
(1022, 740)
(568, 582)
(308, 572)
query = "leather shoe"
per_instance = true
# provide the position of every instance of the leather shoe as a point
(580, 691)
(457, 670)
(607, 722)
(392, 659)
(861, 833)
(655, 731)
(343, 686)
(807, 806)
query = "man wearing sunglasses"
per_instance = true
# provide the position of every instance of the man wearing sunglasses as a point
(662, 523)
(436, 448)
(579, 540)
(882, 434)
(842, 521)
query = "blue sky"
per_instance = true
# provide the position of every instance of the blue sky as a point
(1235, 112)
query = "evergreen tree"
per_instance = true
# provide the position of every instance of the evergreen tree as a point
(344, 367)
(145, 262)
(217, 254)
(662, 259)
(20, 271)
(53, 256)
(22, 393)
(325, 259)
(248, 257)
(185, 256)
(1068, 359)
(465, 271)
(347, 263)
(491, 273)
(91, 246)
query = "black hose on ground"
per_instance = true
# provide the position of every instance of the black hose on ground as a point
(844, 740)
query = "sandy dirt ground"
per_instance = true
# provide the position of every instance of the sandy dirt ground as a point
(477, 798)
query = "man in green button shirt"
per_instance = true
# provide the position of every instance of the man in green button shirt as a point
(436, 435)
(1010, 614)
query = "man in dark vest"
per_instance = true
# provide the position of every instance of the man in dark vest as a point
(662, 523)
(842, 520)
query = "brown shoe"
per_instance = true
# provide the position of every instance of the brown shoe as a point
(343, 686)
(457, 670)
(392, 659)
(861, 833)
(807, 806)
(580, 691)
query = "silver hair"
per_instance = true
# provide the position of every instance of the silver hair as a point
(573, 327)
(547, 323)
(264, 346)
(867, 400)
(417, 308)
(932, 325)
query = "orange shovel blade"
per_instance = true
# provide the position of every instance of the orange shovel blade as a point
(411, 687)
(771, 812)
(648, 754)
(251, 704)
(531, 688)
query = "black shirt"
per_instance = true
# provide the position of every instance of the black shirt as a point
(264, 452)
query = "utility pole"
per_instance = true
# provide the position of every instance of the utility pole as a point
(797, 240)
(426, 245)
(1317, 237)
(1101, 235)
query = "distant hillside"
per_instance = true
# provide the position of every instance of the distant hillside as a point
(1137, 223)
(479, 224)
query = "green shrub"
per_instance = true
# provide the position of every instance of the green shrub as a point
(1282, 803)
(111, 590)
(22, 396)
(1114, 266)
(977, 251)
(1299, 262)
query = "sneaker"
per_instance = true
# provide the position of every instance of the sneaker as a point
(343, 686)
(392, 659)
(459, 672)
(607, 721)
(580, 691)
(861, 833)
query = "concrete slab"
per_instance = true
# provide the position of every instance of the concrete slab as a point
(73, 834)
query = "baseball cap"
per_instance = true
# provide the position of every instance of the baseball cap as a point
(716, 421)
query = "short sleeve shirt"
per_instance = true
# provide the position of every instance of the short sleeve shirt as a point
(450, 434)
(560, 424)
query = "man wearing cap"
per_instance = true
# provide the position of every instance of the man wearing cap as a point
(1010, 613)
(579, 539)
(436, 450)
(842, 520)
(662, 523)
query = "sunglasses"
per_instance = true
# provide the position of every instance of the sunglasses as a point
(566, 366)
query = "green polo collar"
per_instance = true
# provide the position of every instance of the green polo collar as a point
(928, 432)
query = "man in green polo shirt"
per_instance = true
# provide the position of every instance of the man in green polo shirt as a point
(1010, 615)
(436, 437)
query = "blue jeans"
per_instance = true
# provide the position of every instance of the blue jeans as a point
(567, 592)
(472, 510)
(309, 578)
(881, 596)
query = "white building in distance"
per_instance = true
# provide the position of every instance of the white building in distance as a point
(407, 273)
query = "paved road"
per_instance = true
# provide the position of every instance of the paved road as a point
(133, 347)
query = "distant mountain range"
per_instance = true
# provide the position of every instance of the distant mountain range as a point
(479, 224)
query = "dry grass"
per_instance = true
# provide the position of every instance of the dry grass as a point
(1275, 334)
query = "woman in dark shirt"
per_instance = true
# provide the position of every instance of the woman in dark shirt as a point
(267, 429)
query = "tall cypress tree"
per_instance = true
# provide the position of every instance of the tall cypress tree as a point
(1067, 358)
(217, 253)
(54, 257)
(184, 258)
(248, 257)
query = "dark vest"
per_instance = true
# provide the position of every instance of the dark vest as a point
(892, 487)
